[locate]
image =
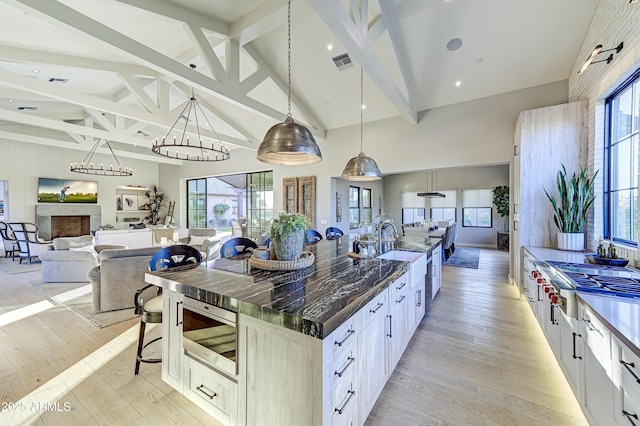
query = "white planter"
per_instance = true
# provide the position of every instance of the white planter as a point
(571, 241)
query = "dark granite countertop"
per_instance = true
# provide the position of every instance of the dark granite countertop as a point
(314, 301)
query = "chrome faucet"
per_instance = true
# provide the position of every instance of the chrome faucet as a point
(384, 224)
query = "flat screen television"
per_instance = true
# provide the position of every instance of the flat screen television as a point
(67, 191)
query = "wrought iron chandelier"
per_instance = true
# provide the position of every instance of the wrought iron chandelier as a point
(361, 168)
(86, 165)
(180, 147)
(289, 143)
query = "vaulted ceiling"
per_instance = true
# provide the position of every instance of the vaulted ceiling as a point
(123, 70)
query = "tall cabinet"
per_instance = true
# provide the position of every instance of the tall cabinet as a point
(545, 139)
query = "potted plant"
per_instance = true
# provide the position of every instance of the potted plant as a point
(154, 201)
(575, 197)
(501, 201)
(287, 233)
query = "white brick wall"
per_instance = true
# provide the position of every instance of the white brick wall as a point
(615, 21)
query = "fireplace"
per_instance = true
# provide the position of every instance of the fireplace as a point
(67, 220)
(70, 226)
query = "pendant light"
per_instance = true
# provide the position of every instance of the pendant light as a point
(86, 165)
(432, 193)
(361, 168)
(289, 143)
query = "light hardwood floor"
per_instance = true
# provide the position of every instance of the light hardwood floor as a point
(478, 359)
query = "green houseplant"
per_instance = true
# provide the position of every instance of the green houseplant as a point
(575, 197)
(287, 234)
(501, 201)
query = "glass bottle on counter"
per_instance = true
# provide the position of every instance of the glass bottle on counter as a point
(611, 250)
(601, 252)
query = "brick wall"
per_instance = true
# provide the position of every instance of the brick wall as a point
(615, 21)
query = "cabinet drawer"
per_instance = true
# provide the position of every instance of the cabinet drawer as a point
(216, 393)
(343, 336)
(627, 403)
(596, 336)
(378, 306)
(344, 367)
(344, 406)
(399, 286)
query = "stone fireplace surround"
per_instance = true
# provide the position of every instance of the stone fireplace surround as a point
(45, 211)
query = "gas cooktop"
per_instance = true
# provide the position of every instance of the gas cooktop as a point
(604, 279)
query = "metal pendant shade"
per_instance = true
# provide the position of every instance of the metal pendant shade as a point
(361, 168)
(289, 143)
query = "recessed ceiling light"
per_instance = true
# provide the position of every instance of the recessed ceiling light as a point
(329, 47)
(458, 83)
(363, 106)
(479, 61)
(36, 71)
(454, 44)
(10, 100)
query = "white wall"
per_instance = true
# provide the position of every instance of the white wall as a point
(472, 133)
(21, 164)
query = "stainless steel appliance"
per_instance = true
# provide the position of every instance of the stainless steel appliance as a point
(210, 335)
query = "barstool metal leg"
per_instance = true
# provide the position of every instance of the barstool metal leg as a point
(140, 345)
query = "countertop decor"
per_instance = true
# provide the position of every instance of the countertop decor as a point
(306, 259)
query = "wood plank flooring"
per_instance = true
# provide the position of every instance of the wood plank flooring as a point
(478, 359)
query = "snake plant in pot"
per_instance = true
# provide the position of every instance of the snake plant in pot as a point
(575, 197)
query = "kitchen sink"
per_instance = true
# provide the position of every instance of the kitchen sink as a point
(417, 263)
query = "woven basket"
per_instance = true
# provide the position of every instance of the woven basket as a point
(306, 259)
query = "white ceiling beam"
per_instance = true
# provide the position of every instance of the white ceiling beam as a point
(253, 80)
(182, 13)
(101, 119)
(207, 54)
(53, 10)
(356, 43)
(232, 61)
(138, 92)
(258, 22)
(402, 56)
(89, 101)
(21, 137)
(30, 56)
(377, 27)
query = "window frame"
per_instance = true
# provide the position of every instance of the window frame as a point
(366, 213)
(354, 208)
(455, 212)
(608, 192)
(476, 225)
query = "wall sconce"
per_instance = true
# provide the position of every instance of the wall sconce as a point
(598, 50)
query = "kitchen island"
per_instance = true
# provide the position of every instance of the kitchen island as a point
(313, 346)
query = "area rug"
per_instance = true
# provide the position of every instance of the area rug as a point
(77, 297)
(15, 267)
(464, 257)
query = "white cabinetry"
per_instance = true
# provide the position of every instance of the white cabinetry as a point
(172, 352)
(626, 376)
(596, 385)
(436, 271)
(398, 324)
(545, 138)
(571, 351)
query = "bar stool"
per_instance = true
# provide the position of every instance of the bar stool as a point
(333, 233)
(172, 257)
(312, 236)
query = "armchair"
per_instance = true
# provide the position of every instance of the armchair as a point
(29, 243)
(9, 241)
(206, 241)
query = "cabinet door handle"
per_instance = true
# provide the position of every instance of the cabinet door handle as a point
(574, 345)
(211, 395)
(401, 299)
(628, 415)
(419, 298)
(632, 365)
(378, 306)
(350, 394)
(349, 362)
(401, 285)
(389, 335)
(553, 317)
(178, 322)
(341, 342)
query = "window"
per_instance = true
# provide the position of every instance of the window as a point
(366, 205)
(475, 213)
(354, 207)
(477, 217)
(412, 215)
(259, 203)
(621, 167)
(442, 213)
(196, 203)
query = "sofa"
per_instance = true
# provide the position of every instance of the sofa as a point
(118, 276)
(70, 259)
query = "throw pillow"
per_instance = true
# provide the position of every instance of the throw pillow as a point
(197, 240)
(262, 239)
(89, 249)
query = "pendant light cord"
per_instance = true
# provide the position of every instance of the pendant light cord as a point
(361, 108)
(289, 57)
